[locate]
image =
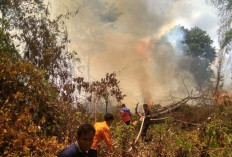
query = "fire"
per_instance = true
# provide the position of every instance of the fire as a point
(224, 98)
(227, 94)
(144, 48)
(150, 103)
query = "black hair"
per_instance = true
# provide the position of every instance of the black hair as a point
(108, 117)
(84, 129)
(123, 105)
(145, 105)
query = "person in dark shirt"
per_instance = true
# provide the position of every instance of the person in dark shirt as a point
(147, 115)
(84, 140)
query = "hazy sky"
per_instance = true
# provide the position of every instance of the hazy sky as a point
(121, 36)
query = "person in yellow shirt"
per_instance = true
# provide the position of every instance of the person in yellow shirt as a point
(103, 132)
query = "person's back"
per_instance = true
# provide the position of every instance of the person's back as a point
(103, 132)
(125, 114)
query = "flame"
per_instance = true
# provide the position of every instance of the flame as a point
(224, 98)
(150, 103)
(145, 47)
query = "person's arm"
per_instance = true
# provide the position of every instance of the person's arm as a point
(106, 135)
(142, 114)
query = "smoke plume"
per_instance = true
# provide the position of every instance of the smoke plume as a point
(131, 38)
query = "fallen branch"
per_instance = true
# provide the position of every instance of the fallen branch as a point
(161, 119)
(175, 105)
(143, 118)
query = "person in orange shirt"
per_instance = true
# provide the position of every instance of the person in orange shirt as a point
(125, 114)
(103, 132)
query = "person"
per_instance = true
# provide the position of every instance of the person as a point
(125, 114)
(147, 115)
(103, 132)
(82, 146)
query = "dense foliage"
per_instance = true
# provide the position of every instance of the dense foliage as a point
(198, 45)
(39, 97)
(225, 12)
(194, 53)
(28, 110)
(40, 40)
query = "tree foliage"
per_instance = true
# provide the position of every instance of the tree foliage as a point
(225, 12)
(38, 105)
(40, 39)
(7, 46)
(227, 39)
(35, 81)
(104, 89)
(195, 53)
(197, 44)
(28, 110)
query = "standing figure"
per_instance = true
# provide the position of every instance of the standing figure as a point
(147, 115)
(125, 114)
(84, 140)
(103, 131)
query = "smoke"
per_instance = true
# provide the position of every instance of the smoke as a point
(128, 37)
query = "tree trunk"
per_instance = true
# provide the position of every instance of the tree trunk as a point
(107, 102)
(219, 79)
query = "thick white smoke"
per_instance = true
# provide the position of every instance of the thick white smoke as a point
(125, 37)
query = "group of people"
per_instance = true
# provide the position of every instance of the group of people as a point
(88, 136)
(126, 117)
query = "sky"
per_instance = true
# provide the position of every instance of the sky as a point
(121, 36)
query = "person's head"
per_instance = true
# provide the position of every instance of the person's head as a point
(108, 118)
(123, 105)
(145, 107)
(85, 134)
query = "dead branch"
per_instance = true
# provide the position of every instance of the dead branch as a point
(175, 105)
(162, 119)
(136, 108)
(182, 79)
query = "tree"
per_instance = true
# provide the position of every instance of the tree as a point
(225, 37)
(197, 55)
(40, 40)
(225, 13)
(33, 56)
(104, 89)
(7, 46)
(197, 44)
(108, 86)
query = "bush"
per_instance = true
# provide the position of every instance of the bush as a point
(32, 119)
